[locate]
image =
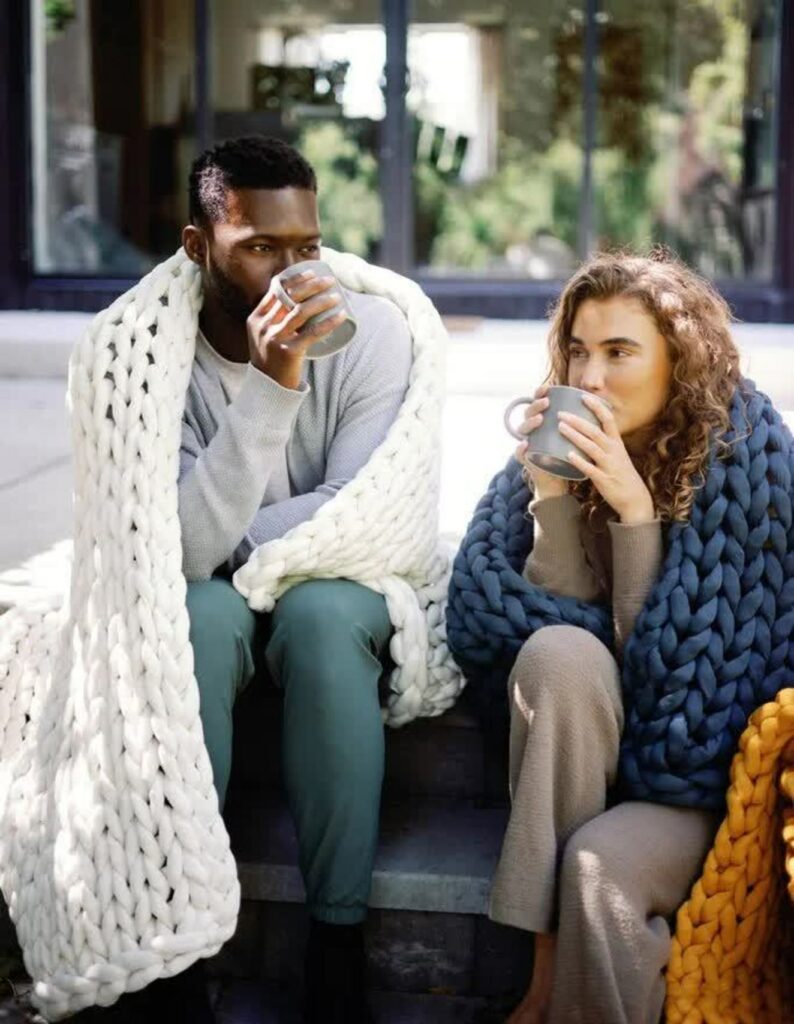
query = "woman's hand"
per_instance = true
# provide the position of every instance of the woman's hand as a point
(544, 485)
(613, 473)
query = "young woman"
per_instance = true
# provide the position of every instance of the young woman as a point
(647, 713)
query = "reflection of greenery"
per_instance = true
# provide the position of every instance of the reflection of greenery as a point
(668, 166)
(347, 178)
(58, 14)
(529, 193)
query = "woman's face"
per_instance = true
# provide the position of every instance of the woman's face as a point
(616, 352)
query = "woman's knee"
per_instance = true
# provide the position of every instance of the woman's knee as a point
(561, 662)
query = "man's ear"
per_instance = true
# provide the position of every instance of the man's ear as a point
(194, 242)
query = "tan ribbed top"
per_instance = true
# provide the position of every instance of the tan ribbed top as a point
(607, 560)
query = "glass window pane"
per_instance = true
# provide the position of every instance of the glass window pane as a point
(311, 74)
(495, 102)
(686, 130)
(113, 133)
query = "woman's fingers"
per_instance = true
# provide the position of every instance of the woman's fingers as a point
(581, 440)
(605, 415)
(590, 469)
(583, 427)
(533, 415)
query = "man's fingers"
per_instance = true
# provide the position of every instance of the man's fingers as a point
(300, 288)
(304, 339)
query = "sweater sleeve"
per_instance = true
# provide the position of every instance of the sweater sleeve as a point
(557, 561)
(221, 486)
(636, 560)
(375, 382)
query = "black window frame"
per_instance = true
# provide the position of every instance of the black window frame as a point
(22, 288)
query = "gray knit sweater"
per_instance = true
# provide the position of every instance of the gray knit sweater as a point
(253, 467)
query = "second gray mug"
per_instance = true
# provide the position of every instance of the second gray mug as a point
(547, 448)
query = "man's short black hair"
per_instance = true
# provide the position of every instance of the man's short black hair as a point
(254, 161)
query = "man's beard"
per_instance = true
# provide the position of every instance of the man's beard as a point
(230, 296)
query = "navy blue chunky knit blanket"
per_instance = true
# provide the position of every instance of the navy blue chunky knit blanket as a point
(714, 640)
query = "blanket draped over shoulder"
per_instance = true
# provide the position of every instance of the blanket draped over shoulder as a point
(713, 645)
(114, 860)
(715, 638)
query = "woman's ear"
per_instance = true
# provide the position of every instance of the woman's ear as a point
(195, 244)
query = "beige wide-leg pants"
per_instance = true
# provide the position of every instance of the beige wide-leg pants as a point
(609, 882)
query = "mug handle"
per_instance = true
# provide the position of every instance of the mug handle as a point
(508, 412)
(282, 296)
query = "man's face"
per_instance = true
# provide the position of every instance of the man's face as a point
(264, 231)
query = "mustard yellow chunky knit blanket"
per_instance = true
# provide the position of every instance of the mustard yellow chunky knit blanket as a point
(732, 957)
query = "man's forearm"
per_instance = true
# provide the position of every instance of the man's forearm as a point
(222, 487)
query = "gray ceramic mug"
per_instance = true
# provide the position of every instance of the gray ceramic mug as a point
(547, 448)
(340, 335)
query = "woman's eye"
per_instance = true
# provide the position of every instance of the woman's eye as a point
(576, 353)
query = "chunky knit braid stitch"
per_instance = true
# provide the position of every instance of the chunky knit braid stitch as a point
(114, 859)
(492, 608)
(731, 955)
(714, 638)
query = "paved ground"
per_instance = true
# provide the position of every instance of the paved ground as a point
(488, 364)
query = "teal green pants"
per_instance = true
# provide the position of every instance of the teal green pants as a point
(323, 645)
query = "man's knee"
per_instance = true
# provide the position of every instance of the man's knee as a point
(323, 615)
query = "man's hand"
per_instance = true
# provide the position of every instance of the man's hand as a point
(275, 340)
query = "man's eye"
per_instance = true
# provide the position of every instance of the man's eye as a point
(314, 247)
(618, 353)
(261, 247)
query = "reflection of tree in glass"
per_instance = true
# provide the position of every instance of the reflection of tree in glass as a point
(58, 14)
(347, 179)
(491, 225)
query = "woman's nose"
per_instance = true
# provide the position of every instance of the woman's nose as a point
(593, 376)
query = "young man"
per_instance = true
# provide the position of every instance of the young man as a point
(268, 437)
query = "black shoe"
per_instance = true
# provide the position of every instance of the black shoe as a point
(182, 999)
(336, 991)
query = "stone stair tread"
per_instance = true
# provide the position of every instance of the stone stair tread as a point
(430, 857)
(251, 1002)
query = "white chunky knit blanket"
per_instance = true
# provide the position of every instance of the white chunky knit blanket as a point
(114, 859)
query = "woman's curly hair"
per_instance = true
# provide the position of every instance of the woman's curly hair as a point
(696, 324)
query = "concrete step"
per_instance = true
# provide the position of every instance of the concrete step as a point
(407, 951)
(430, 857)
(252, 1003)
(447, 757)
(426, 931)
